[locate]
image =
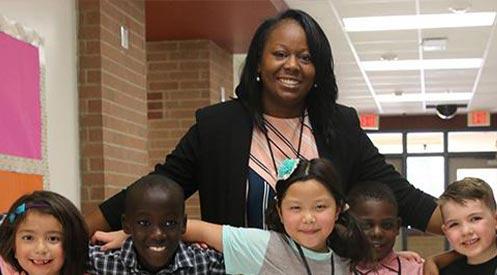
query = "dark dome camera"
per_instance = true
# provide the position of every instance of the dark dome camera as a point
(446, 111)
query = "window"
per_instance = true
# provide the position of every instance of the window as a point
(472, 141)
(427, 174)
(487, 174)
(387, 143)
(425, 142)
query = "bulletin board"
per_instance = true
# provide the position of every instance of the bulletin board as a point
(23, 150)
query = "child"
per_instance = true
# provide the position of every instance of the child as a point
(155, 217)
(308, 207)
(470, 224)
(43, 233)
(374, 205)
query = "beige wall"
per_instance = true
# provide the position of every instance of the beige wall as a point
(55, 22)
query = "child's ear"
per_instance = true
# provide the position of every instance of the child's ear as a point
(495, 217)
(339, 210)
(444, 229)
(278, 209)
(125, 224)
(185, 221)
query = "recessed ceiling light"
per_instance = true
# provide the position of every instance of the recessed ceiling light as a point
(433, 44)
(389, 56)
(459, 10)
(430, 97)
(422, 21)
(460, 6)
(426, 64)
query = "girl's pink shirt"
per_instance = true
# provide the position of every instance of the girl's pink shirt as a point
(389, 266)
(7, 269)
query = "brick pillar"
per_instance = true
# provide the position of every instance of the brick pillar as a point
(183, 76)
(112, 98)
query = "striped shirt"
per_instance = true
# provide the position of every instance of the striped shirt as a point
(284, 137)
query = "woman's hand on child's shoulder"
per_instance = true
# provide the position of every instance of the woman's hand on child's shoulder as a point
(109, 240)
(411, 256)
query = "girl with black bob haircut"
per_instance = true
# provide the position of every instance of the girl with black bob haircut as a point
(309, 226)
(347, 239)
(74, 235)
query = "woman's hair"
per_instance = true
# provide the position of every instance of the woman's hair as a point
(75, 232)
(321, 99)
(371, 190)
(347, 238)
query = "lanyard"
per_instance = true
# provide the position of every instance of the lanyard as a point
(307, 264)
(298, 148)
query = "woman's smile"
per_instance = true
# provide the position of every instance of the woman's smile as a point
(286, 70)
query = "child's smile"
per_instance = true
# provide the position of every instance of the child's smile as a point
(155, 224)
(308, 213)
(157, 248)
(41, 262)
(39, 244)
(470, 228)
(378, 219)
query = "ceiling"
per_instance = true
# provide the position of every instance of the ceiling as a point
(233, 27)
(229, 23)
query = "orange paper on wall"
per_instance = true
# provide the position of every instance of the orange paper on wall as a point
(13, 185)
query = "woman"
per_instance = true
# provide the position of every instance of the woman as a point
(285, 108)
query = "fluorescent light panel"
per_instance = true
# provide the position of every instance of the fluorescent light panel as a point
(429, 97)
(426, 64)
(433, 44)
(422, 21)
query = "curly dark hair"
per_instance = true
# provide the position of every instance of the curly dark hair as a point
(347, 239)
(75, 231)
(371, 190)
(320, 101)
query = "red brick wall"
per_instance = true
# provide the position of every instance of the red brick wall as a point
(112, 98)
(182, 77)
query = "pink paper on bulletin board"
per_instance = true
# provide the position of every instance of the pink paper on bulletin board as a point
(20, 113)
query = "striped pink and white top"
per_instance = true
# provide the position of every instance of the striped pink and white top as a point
(284, 137)
(283, 134)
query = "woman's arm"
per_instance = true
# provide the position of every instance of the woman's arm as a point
(180, 166)
(96, 221)
(209, 233)
(435, 222)
(416, 207)
(436, 262)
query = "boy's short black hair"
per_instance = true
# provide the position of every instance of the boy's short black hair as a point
(371, 190)
(152, 181)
